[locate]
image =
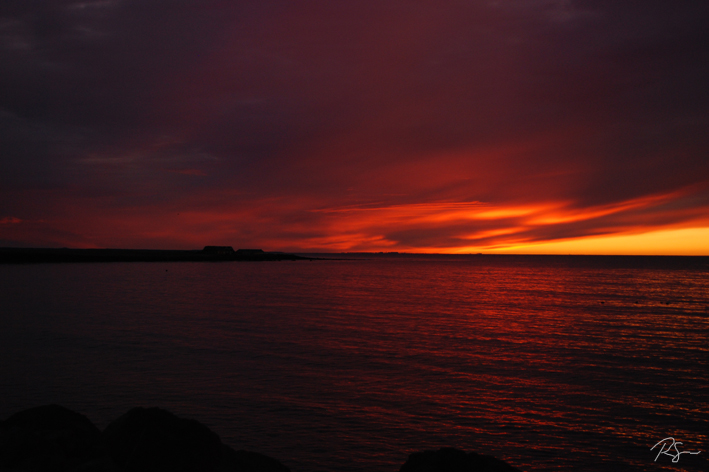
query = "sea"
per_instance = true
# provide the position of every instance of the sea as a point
(352, 362)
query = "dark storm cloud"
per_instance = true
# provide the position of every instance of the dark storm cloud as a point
(130, 107)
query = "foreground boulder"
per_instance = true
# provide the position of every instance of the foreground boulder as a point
(155, 440)
(449, 459)
(152, 439)
(52, 438)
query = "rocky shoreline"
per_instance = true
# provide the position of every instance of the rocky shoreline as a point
(54, 438)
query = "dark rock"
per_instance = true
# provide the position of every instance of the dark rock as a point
(449, 459)
(244, 461)
(155, 440)
(52, 438)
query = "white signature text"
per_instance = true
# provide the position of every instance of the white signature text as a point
(666, 446)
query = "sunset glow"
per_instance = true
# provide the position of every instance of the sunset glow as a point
(561, 127)
(677, 242)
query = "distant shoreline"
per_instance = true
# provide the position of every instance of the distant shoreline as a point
(67, 255)
(15, 255)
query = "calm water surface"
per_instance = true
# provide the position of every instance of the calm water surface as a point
(551, 363)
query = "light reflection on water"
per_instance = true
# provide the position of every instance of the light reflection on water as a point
(550, 363)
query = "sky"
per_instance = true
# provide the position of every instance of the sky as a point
(442, 126)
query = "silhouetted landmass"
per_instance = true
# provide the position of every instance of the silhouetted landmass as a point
(52, 438)
(208, 254)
